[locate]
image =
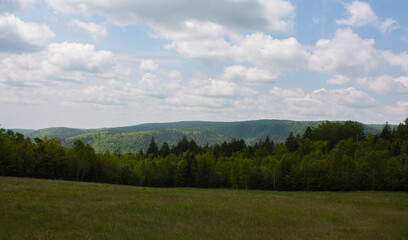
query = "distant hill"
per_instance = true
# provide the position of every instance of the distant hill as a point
(379, 127)
(134, 138)
(18, 130)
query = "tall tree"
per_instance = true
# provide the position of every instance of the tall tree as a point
(291, 143)
(307, 134)
(181, 176)
(386, 132)
(164, 149)
(153, 148)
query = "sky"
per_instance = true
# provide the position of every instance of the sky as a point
(104, 63)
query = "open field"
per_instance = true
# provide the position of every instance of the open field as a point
(47, 209)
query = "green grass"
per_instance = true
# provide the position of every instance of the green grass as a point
(47, 209)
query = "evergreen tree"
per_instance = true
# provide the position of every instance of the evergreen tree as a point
(164, 150)
(181, 147)
(268, 144)
(307, 134)
(153, 148)
(203, 171)
(291, 143)
(386, 132)
(193, 147)
(181, 175)
(402, 131)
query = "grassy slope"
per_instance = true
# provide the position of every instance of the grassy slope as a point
(46, 209)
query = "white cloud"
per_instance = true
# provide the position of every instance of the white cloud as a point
(323, 100)
(346, 54)
(397, 60)
(201, 41)
(338, 104)
(157, 82)
(388, 26)
(271, 15)
(361, 13)
(148, 65)
(264, 50)
(25, 69)
(209, 94)
(69, 75)
(209, 37)
(187, 101)
(248, 75)
(206, 43)
(95, 30)
(207, 31)
(279, 15)
(108, 93)
(385, 84)
(350, 97)
(18, 36)
(338, 80)
(287, 93)
(23, 96)
(401, 109)
(219, 88)
(80, 57)
(61, 62)
(152, 85)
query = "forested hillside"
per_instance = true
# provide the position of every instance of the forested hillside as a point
(134, 138)
(331, 156)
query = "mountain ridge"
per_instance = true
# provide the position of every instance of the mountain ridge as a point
(136, 137)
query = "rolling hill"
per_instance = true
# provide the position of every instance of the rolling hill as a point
(134, 138)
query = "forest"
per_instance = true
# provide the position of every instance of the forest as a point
(136, 137)
(334, 156)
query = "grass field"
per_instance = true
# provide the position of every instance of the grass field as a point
(47, 209)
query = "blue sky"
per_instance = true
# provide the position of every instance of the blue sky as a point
(91, 64)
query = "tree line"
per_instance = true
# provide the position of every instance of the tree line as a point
(335, 156)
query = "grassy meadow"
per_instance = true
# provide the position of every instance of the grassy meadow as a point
(48, 209)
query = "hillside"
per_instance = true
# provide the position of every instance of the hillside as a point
(134, 138)
(23, 131)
